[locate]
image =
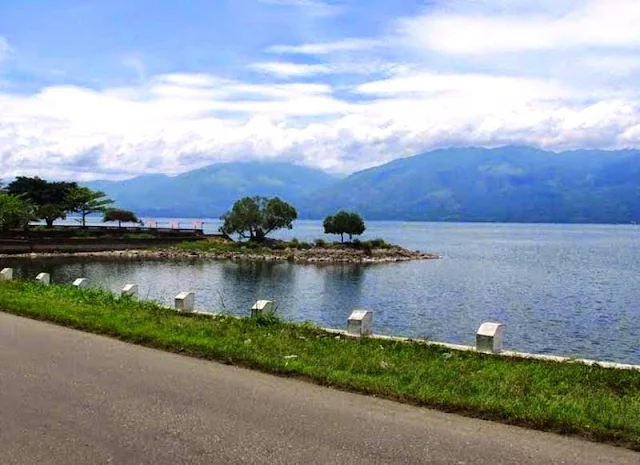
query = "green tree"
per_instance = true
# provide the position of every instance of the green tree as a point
(343, 223)
(85, 201)
(51, 199)
(121, 216)
(255, 217)
(15, 212)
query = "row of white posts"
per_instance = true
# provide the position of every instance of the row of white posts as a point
(359, 323)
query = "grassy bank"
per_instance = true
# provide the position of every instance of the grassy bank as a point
(219, 246)
(597, 403)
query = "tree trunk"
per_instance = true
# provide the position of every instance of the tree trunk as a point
(49, 222)
(342, 238)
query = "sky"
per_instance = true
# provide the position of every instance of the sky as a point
(96, 89)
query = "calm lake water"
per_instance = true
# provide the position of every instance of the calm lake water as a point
(560, 289)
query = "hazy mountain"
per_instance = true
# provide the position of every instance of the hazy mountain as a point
(509, 184)
(210, 191)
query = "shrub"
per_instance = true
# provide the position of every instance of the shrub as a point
(379, 244)
(320, 243)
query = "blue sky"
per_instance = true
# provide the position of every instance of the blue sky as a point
(111, 89)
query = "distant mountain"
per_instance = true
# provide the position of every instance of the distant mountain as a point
(508, 184)
(212, 190)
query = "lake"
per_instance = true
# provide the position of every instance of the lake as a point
(559, 289)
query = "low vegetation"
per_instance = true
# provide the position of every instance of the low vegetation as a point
(593, 402)
(219, 246)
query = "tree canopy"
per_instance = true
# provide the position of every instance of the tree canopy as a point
(51, 199)
(343, 223)
(84, 201)
(15, 212)
(255, 217)
(121, 216)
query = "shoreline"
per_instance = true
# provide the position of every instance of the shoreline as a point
(300, 256)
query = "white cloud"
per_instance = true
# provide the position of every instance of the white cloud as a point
(136, 65)
(290, 70)
(172, 123)
(448, 78)
(493, 90)
(283, 69)
(325, 48)
(5, 49)
(316, 7)
(595, 23)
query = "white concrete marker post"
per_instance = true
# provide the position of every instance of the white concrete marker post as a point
(81, 283)
(185, 301)
(262, 306)
(360, 323)
(6, 274)
(130, 290)
(489, 338)
(44, 278)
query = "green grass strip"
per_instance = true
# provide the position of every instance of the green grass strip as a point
(593, 402)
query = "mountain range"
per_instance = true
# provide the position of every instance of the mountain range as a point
(506, 184)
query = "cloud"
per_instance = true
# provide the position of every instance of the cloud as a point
(175, 122)
(325, 48)
(467, 72)
(283, 69)
(136, 65)
(494, 90)
(595, 23)
(5, 49)
(291, 70)
(316, 7)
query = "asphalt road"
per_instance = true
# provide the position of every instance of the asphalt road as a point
(67, 397)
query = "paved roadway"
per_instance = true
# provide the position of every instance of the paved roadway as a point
(67, 397)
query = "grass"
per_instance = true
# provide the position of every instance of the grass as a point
(216, 246)
(593, 402)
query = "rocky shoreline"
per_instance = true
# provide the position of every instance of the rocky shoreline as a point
(319, 255)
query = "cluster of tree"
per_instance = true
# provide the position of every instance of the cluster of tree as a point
(254, 217)
(343, 223)
(31, 199)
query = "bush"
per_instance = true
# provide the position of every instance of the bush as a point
(252, 245)
(379, 244)
(296, 244)
(320, 243)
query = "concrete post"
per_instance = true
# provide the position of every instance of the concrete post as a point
(360, 323)
(489, 338)
(44, 278)
(81, 283)
(130, 290)
(262, 306)
(185, 301)
(6, 274)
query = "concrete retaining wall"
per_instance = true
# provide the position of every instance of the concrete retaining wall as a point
(52, 245)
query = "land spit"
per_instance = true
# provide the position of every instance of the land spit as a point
(312, 255)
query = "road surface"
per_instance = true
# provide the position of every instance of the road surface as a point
(68, 397)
